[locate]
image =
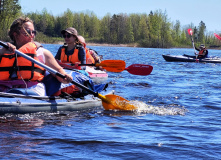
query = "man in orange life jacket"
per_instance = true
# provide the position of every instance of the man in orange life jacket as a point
(203, 52)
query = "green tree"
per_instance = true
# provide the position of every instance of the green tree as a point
(135, 20)
(104, 32)
(183, 38)
(114, 29)
(47, 22)
(201, 33)
(121, 28)
(79, 23)
(177, 32)
(166, 37)
(67, 19)
(155, 22)
(9, 11)
(93, 25)
(58, 26)
(143, 31)
(152, 30)
(129, 35)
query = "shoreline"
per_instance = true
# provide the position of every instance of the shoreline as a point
(128, 45)
(134, 45)
(106, 44)
(111, 45)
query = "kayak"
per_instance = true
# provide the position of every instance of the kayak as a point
(21, 103)
(188, 58)
(97, 76)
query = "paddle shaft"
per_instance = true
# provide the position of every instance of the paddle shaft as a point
(92, 64)
(191, 32)
(118, 66)
(51, 70)
(193, 43)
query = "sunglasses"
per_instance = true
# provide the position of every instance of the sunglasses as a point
(67, 36)
(29, 32)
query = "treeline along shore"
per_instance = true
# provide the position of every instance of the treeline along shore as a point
(153, 30)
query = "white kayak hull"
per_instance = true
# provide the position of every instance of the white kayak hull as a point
(18, 103)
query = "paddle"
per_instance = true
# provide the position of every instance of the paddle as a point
(118, 66)
(217, 36)
(191, 33)
(139, 69)
(110, 102)
(109, 65)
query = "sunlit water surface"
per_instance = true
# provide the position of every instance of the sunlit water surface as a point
(178, 115)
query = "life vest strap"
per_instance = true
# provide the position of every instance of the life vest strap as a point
(10, 56)
(6, 68)
(28, 68)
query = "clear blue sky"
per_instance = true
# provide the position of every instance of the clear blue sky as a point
(186, 11)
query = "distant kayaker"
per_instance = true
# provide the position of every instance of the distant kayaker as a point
(72, 51)
(203, 52)
(13, 67)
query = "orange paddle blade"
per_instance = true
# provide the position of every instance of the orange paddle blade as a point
(112, 65)
(114, 102)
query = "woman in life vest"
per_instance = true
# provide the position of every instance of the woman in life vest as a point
(73, 51)
(203, 52)
(22, 34)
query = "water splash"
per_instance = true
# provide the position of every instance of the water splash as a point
(158, 110)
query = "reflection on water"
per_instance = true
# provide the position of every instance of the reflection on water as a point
(178, 115)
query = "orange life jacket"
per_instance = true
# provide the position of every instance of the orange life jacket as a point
(201, 52)
(89, 58)
(7, 66)
(95, 56)
(69, 58)
(23, 68)
(72, 90)
(74, 57)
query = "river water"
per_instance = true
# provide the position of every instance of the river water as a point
(179, 115)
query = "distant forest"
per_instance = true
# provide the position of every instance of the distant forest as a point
(153, 30)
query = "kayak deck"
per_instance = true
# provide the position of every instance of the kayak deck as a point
(97, 76)
(18, 103)
(188, 58)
